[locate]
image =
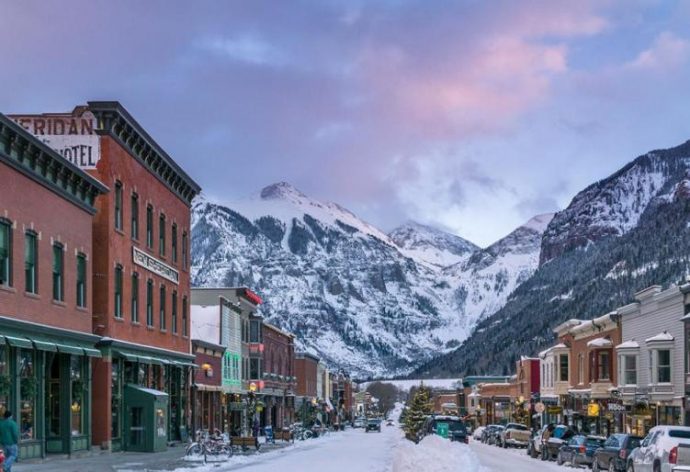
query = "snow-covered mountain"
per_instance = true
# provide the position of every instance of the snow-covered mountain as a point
(431, 245)
(356, 297)
(617, 236)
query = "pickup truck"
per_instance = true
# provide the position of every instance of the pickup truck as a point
(515, 435)
(682, 459)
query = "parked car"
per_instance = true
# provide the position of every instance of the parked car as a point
(457, 431)
(682, 459)
(389, 423)
(535, 442)
(559, 436)
(515, 435)
(478, 433)
(488, 431)
(613, 455)
(579, 450)
(373, 424)
(495, 435)
(658, 451)
(358, 423)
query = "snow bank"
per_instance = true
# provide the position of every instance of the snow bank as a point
(435, 454)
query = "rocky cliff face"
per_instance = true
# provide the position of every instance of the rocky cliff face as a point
(358, 298)
(613, 206)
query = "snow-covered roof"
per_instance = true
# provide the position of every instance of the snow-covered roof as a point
(632, 344)
(665, 336)
(600, 342)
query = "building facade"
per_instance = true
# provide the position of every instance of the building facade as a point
(278, 377)
(652, 358)
(47, 207)
(306, 401)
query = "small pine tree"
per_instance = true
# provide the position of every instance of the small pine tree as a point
(417, 412)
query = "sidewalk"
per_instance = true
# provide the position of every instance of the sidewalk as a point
(123, 461)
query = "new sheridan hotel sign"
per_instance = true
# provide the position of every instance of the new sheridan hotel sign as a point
(152, 264)
(70, 134)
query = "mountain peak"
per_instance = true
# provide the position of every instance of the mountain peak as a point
(430, 244)
(281, 191)
(539, 222)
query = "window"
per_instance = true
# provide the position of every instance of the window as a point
(27, 392)
(184, 316)
(174, 243)
(30, 251)
(580, 368)
(254, 369)
(174, 312)
(118, 205)
(135, 298)
(118, 291)
(161, 235)
(663, 366)
(162, 308)
(563, 368)
(81, 280)
(5, 252)
(604, 358)
(4, 373)
(149, 226)
(630, 370)
(135, 216)
(77, 408)
(149, 303)
(58, 272)
(255, 331)
(184, 249)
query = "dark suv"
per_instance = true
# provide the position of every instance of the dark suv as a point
(615, 452)
(457, 431)
(373, 424)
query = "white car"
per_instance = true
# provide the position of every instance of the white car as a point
(658, 452)
(478, 433)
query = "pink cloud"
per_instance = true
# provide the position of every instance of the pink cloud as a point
(667, 52)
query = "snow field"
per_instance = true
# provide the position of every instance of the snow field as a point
(435, 454)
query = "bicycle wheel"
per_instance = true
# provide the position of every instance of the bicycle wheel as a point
(308, 434)
(194, 449)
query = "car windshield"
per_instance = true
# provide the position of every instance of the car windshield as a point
(679, 433)
(596, 442)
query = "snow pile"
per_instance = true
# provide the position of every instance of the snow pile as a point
(435, 454)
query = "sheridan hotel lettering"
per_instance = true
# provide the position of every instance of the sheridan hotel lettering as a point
(71, 135)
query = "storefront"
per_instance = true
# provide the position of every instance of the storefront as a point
(45, 381)
(165, 372)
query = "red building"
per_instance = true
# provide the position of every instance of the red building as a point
(141, 240)
(207, 390)
(46, 255)
(306, 367)
(278, 376)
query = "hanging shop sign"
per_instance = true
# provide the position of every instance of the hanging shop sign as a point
(616, 407)
(71, 135)
(554, 410)
(152, 264)
(593, 409)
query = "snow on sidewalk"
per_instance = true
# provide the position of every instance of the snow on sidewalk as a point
(435, 454)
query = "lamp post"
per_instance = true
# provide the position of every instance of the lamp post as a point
(251, 406)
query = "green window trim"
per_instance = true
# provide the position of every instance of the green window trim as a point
(5, 252)
(81, 280)
(30, 262)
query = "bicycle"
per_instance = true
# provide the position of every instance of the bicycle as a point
(207, 445)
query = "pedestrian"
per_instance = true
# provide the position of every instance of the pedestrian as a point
(9, 437)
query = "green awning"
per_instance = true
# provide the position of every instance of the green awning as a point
(128, 357)
(67, 349)
(19, 342)
(186, 364)
(44, 346)
(92, 352)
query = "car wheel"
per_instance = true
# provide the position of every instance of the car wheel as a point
(657, 467)
(559, 460)
(612, 467)
(631, 467)
(595, 465)
(505, 445)
(533, 453)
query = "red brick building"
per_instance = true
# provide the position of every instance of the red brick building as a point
(278, 376)
(207, 390)
(306, 371)
(141, 243)
(46, 255)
